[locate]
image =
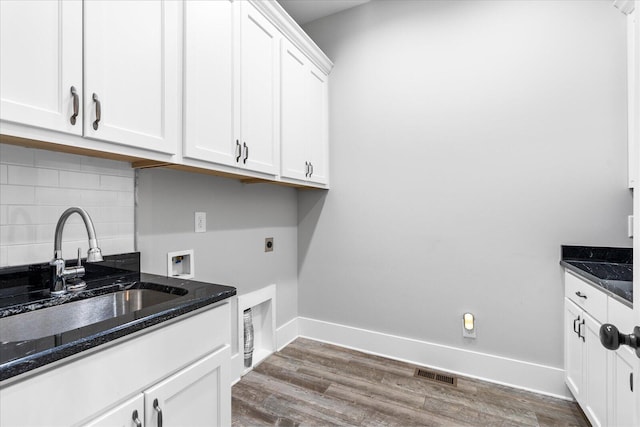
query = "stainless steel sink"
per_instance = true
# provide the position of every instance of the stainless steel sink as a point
(66, 317)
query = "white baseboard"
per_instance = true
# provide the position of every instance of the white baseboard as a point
(287, 333)
(529, 376)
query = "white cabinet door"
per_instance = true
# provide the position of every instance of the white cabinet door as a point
(40, 61)
(633, 77)
(131, 70)
(573, 349)
(259, 90)
(294, 103)
(199, 395)
(304, 123)
(624, 380)
(595, 372)
(208, 82)
(124, 415)
(318, 132)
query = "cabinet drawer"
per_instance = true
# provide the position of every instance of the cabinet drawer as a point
(589, 298)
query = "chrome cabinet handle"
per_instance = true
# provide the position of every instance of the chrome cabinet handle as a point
(76, 105)
(575, 324)
(238, 151)
(98, 111)
(135, 418)
(580, 330)
(311, 172)
(581, 295)
(306, 169)
(246, 153)
(156, 406)
(631, 381)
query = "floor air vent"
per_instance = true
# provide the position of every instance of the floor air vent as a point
(436, 376)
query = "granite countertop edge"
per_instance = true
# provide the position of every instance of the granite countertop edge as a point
(30, 362)
(596, 282)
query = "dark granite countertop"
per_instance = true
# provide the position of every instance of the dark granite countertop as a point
(24, 289)
(609, 269)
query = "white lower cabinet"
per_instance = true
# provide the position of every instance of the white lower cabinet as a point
(182, 366)
(595, 373)
(602, 381)
(196, 396)
(623, 381)
(585, 363)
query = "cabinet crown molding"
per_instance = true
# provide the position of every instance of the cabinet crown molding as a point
(291, 30)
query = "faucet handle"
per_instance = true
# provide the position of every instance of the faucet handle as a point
(79, 258)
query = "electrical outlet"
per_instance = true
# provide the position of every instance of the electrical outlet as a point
(201, 222)
(268, 244)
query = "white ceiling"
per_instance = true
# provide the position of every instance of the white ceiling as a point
(304, 11)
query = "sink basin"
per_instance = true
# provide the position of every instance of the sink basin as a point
(66, 317)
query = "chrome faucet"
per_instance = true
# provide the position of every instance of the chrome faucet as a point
(61, 273)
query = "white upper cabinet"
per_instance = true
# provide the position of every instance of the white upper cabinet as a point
(633, 46)
(231, 86)
(259, 90)
(131, 65)
(304, 111)
(208, 82)
(41, 46)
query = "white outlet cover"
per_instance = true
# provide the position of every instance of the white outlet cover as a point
(200, 222)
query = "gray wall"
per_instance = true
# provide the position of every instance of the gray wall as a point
(469, 140)
(239, 217)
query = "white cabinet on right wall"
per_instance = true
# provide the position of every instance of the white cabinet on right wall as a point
(633, 76)
(304, 118)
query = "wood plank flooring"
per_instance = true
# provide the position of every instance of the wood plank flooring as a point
(312, 383)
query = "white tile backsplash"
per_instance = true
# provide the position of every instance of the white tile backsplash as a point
(36, 186)
(17, 194)
(89, 181)
(16, 155)
(26, 175)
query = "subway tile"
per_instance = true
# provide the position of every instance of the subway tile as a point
(120, 183)
(4, 214)
(55, 160)
(50, 214)
(126, 199)
(16, 155)
(17, 234)
(3, 174)
(46, 233)
(57, 196)
(126, 229)
(23, 175)
(22, 215)
(106, 166)
(17, 194)
(117, 245)
(79, 180)
(4, 260)
(29, 254)
(99, 198)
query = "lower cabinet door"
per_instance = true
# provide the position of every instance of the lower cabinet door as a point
(124, 415)
(573, 349)
(199, 395)
(595, 369)
(624, 382)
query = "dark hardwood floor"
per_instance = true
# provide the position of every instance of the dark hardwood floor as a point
(312, 383)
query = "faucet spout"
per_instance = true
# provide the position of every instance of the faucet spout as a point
(60, 272)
